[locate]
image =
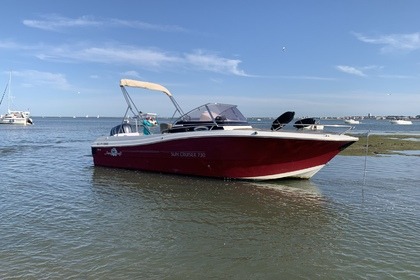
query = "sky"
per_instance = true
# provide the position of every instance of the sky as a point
(317, 58)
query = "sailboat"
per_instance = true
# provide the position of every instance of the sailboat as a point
(14, 116)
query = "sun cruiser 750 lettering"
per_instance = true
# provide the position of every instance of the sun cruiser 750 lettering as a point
(215, 140)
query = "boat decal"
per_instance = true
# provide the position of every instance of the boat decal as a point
(189, 154)
(114, 152)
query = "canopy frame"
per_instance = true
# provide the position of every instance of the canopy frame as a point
(145, 85)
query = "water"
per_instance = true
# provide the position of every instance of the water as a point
(62, 218)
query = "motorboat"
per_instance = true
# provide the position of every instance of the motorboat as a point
(401, 122)
(14, 116)
(351, 121)
(214, 140)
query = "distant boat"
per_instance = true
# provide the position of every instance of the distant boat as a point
(401, 122)
(351, 121)
(14, 116)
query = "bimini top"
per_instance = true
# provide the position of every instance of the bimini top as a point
(145, 85)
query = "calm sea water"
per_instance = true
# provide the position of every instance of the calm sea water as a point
(62, 218)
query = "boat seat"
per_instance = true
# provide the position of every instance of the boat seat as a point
(122, 128)
(282, 120)
(165, 127)
(302, 123)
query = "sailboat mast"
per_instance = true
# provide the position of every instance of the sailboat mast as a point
(9, 96)
(4, 92)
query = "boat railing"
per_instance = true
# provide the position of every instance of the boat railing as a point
(346, 128)
(318, 128)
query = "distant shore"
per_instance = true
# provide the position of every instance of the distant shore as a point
(383, 144)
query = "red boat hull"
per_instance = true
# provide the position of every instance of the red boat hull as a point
(249, 157)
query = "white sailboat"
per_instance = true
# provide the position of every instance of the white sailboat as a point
(16, 117)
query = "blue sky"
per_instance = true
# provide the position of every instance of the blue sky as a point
(318, 58)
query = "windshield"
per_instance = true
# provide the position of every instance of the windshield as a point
(213, 112)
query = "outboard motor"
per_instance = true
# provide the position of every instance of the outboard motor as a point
(121, 128)
(281, 121)
(300, 124)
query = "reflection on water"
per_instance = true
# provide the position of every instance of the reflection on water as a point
(198, 224)
(193, 195)
(216, 191)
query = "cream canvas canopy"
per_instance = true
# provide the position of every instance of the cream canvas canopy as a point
(145, 85)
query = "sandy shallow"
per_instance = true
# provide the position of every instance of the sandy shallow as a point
(383, 144)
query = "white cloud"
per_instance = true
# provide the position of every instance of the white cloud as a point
(56, 22)
(398, 77)
(8, 45)
(143, 57)
(303, 77)
(131, 73)
(33, 78)
(120, 54)
(393, 42)
(145, 25)
(152, 59)
(214, 63)
(350, 70)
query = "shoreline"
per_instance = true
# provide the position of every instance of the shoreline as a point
(382, 144)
